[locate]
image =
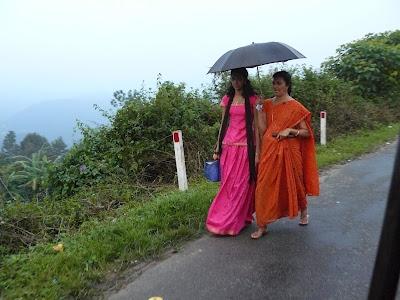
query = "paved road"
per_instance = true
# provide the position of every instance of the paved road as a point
(332, 258)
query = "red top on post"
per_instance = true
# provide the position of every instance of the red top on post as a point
(175, 136)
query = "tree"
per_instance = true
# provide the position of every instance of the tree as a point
(30, 174)
(372, 63)
(10, 146)
(32, 143)
(3, 159)
(4, 190)
(58, 147)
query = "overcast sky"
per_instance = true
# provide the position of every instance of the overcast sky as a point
(83, 49)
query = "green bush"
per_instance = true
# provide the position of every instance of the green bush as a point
(372, 64)
(142, 130)
(137, 145)
(346, 110)
(87, 164)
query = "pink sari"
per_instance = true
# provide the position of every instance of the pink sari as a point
(233, 206)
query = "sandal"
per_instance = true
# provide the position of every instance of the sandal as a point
(260, 232)
(304, 220)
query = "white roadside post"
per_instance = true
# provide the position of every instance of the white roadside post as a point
(323, 127)
(180, 160)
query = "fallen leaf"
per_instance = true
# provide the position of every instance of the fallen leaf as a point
(59, 247)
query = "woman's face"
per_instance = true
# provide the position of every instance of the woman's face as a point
(237, 81)
(280, 87)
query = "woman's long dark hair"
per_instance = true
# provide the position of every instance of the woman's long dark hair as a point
(247, 92)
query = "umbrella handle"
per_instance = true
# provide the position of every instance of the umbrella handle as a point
(259, 83)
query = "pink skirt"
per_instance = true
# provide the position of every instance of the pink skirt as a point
(233, 206)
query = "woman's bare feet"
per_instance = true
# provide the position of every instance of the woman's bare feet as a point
(259, 233)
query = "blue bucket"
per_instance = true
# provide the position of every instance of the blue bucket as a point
(211, 170)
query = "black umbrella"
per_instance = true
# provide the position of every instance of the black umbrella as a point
(254, 55)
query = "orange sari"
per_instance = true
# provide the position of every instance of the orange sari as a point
(288, 170)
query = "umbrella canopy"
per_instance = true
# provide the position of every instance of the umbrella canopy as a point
(254, 55)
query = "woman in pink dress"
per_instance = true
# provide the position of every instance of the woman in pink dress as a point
(233, 206)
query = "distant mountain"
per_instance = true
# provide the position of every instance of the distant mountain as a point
(53, 119)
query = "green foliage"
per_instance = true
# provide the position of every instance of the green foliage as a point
(220, 84)
(3, 159)
(354, 144)
(24, 224)
(5, 193)
(32, 143)
(347, 110)
(140, 232)
(142, 130)
(57, 148)
(10, 146)
(86, 164)
(25, 178)
(30, 173)
(372, 64)
(138, 145)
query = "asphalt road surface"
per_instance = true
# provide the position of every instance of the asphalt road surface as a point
(332, 258)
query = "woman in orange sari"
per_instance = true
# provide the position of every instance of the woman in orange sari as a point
(287, 170)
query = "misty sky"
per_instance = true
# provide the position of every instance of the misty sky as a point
(85, 50)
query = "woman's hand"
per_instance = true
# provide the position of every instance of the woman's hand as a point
(257, 160)
(259, 104)
(215, 156)
(284, 134)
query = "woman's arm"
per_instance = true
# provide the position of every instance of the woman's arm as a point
(261, 125)
(261, 118)
(257, 136)
(301, 131)
(216, 148)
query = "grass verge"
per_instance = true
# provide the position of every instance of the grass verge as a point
(355, 144)
(140, 232)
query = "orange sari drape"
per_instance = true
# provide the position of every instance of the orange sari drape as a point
(288, 170)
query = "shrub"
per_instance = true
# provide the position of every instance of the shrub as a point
(137, 145)
(372, 64)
